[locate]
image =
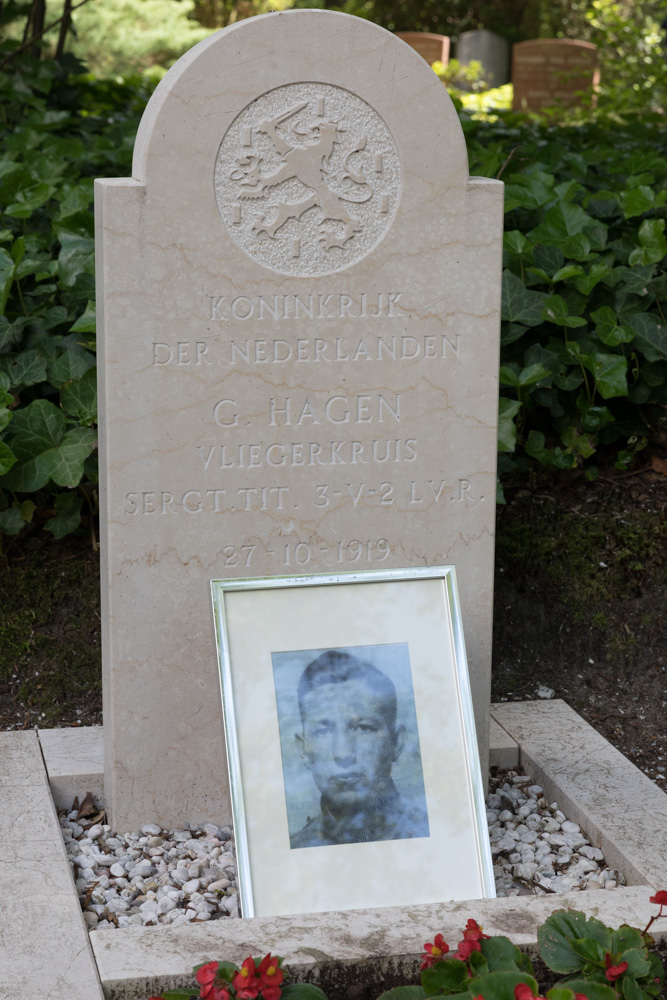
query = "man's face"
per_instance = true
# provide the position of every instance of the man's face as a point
(347, 742)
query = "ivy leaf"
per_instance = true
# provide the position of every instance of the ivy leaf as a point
(562, 220)
(69, 367)
(28, 369)
(6, 278)
(29, 200)
(519, 304)
(77, 255)
(637, 200)
(68, 517)
(652, 243)
(598, 270)
(507, 410)
(650, 335)
(67, 460)
(515, 242)
(556, 310)
(569, 271)
(7, 458)
(87, 322)
(79, 398)
(511, 332)
(11, 521)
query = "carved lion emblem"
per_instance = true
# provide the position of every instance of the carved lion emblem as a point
(307, 179)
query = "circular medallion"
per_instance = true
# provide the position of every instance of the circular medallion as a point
(307, 179)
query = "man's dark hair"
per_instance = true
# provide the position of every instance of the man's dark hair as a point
(335, 667)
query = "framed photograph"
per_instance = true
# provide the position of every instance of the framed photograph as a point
(350, 736)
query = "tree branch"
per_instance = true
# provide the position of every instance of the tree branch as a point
(31, 41)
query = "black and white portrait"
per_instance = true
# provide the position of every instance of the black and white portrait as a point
(350, 746)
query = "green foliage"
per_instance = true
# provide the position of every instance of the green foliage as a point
(65, 129)
(584, 337)
(569, 942)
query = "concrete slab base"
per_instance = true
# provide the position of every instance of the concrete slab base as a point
(620, 809)
(44, 943)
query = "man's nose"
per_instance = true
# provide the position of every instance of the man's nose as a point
(344, 749)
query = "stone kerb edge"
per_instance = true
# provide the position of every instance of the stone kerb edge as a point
(380, 945)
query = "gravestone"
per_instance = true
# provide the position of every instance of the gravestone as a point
(298, 316)
(432, 48)
(491, 50)
(551, 71)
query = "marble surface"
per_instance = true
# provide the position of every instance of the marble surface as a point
(45, 945)
(261, 416)
(74, 760)
(368, 943)
(621, 810)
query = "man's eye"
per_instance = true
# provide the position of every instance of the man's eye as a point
(367, 727)
(322, 729)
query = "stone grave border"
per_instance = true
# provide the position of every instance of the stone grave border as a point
(622, 811)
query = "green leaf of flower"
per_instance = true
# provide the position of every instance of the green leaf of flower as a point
(559, 930)
(592, 990)
(450, 975)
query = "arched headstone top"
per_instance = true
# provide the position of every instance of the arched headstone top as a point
(202, 95)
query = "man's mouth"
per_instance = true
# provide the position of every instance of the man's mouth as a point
(347, 779)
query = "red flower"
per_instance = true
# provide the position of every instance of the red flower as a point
(206, 974)
(580, 996)
(245, 982)
(523, 992)
(473, 932)
(660, 898)
(271, 976)
(466, 949)
(613, 972)
(434, 951)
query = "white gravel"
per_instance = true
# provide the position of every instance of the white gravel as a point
(535, 848)
(170, 877)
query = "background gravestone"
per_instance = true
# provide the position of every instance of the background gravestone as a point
(493, 51)
(551, 71)
(298, 300)
(432, 48)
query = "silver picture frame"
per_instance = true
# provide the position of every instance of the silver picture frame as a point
(400, 629)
